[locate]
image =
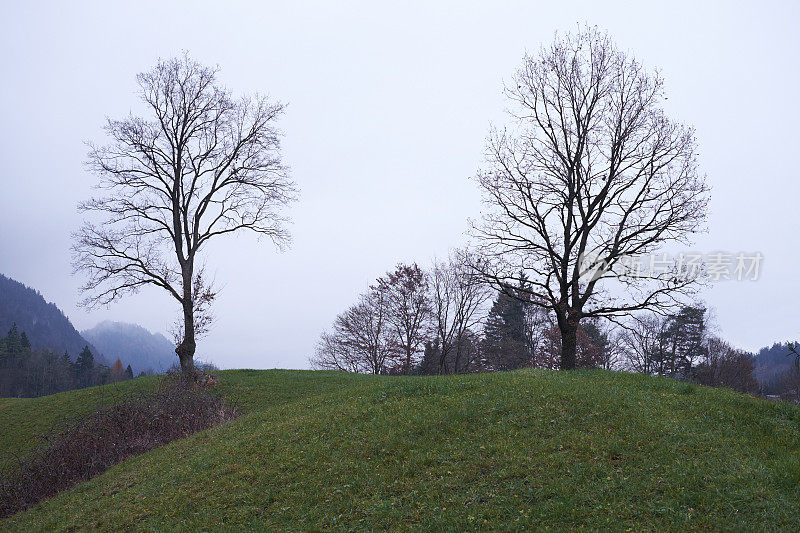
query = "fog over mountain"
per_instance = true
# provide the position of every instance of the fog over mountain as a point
(133, 344)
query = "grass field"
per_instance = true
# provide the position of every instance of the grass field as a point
(502, 451)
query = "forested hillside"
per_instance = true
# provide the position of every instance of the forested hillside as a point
(45, 325)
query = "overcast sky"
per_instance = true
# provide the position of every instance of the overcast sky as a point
(389, 108)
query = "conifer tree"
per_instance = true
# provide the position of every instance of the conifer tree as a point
(506, 344)
(13, 340)
(84, 367)
(24, 343)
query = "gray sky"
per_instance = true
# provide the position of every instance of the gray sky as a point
(389, 107)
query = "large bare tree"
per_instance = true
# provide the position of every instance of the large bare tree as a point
(591, 171)
(200, 164)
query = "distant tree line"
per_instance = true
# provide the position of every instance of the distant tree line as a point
(25, 372)
(778, 370)
(446, 320)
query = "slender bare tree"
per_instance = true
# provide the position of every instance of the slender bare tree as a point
(200, 165)
(590, 172)
(642, 343)
(458, 299)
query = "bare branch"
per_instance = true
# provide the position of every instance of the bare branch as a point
(590, 167)
(202, 165)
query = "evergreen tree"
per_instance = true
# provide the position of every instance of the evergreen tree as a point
(29, 373)
(13, 341)
(598, 344)
(506, 342)
(4, 352)
(682, 341)
(129, 372)
(84, 367)
(430, 358)
(24, 343)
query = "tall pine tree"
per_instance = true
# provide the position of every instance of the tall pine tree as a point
(84, 367)
(506, 342)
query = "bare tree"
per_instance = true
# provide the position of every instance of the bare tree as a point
(722, 365)
(613, 357)
(203, 164)
(788, 384)
(591, 172)
(406, 289)
(360, 338)
(458, 296)
(641, 342)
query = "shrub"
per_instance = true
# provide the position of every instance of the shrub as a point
(91, 445)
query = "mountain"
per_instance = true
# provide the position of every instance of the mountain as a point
(133, 344)
(45, 324)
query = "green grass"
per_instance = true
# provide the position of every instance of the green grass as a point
(507, 451)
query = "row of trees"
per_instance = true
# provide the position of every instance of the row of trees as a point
(447, 319)
(680, 345)
(28, 373)
(406, 313)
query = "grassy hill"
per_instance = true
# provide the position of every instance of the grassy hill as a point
(327, 450)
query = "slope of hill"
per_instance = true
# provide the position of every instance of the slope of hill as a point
(133, 344)
(45, 324)
(517, 450)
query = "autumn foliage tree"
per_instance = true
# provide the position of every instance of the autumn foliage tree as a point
(198, 165)
(724, 366)
(117, 372)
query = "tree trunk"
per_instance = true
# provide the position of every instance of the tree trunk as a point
(443, 361)
(569, 335)
(186, 348)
